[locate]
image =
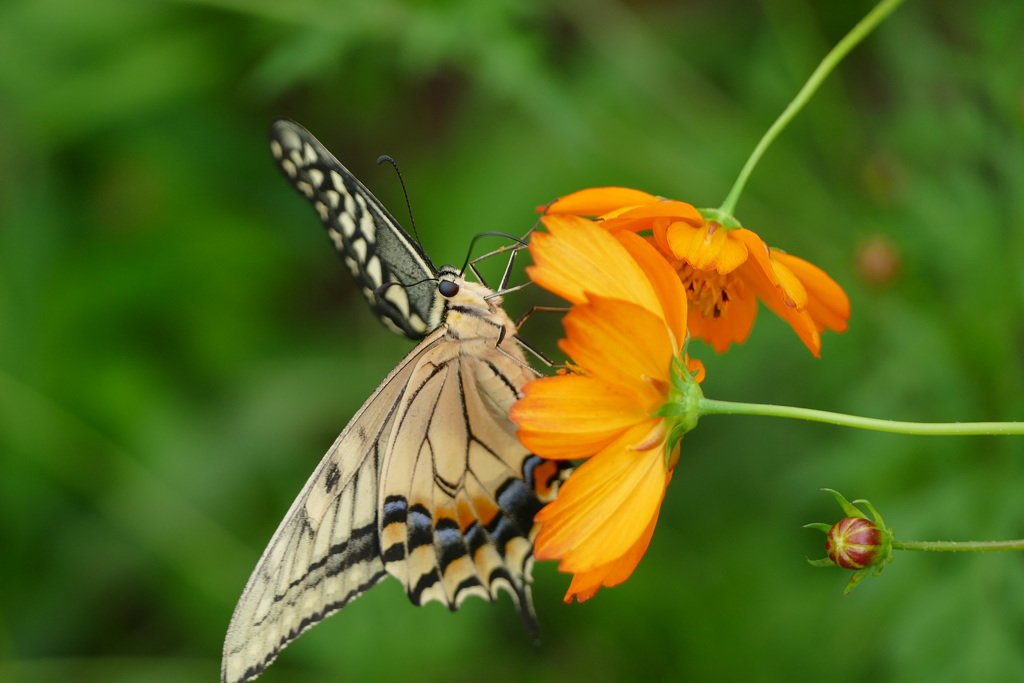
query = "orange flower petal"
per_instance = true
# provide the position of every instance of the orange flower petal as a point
(572, 416)
(800, 321)
(664, 279)
(792, 289)
(827, 302)
(804, 326)
(639, 218)
(585, 585)
(623, 344)
(761, 274)
(696, 369)
(607, 504)
(577, 257)
(710, 247)
(597, 201)
(757, 269)
(658, 239)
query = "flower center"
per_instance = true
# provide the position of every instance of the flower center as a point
(708, 291)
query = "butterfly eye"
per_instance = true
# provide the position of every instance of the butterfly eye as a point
(447, 288)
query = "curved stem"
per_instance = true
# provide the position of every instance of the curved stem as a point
(959, 546)
(882, 10)
(708, 406)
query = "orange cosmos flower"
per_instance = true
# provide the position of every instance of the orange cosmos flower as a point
(724, 270)
(623, 333)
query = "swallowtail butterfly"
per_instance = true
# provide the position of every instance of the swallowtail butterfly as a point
(428, 482)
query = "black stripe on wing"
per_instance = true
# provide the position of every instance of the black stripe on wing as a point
(371, 242)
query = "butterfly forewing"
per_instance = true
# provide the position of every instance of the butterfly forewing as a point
(370, 241)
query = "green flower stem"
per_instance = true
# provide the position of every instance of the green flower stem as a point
(959, 546)
(708, 406)
(882, 10)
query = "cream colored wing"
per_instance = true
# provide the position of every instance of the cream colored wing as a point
(326, 552)
(458, 490)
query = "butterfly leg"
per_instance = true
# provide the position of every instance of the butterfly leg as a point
(508, 272)
(527, 345)
(539, 309)
(537, 352)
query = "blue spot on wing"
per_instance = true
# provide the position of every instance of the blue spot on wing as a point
(420, 527)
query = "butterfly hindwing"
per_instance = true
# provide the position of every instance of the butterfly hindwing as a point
(326, 551)
(371, 242)
(457, 514)
(428, 483)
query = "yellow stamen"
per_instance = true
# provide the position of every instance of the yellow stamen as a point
(708, 291)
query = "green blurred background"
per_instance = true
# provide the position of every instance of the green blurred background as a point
(179, 344)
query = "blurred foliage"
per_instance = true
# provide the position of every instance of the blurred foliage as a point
(179, 345)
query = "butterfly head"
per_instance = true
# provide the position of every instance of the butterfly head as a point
(463, 299)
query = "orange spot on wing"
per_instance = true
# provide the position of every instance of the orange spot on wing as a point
(545, 479)
(484, 509)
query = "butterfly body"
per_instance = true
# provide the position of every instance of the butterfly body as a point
(428, 482)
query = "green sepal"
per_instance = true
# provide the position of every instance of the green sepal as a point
(848, 508)
(724, 219)
(675, 436)
(681, 377)
(859, 576)
(671, 410)
(682, 410)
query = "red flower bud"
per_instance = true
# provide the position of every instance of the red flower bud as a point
(854, 543)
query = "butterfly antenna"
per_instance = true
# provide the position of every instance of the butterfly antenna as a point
(522, 241)
(380, 160)
(543, 213)
(503, 288)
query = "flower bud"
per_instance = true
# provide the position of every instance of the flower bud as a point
(855, 543)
